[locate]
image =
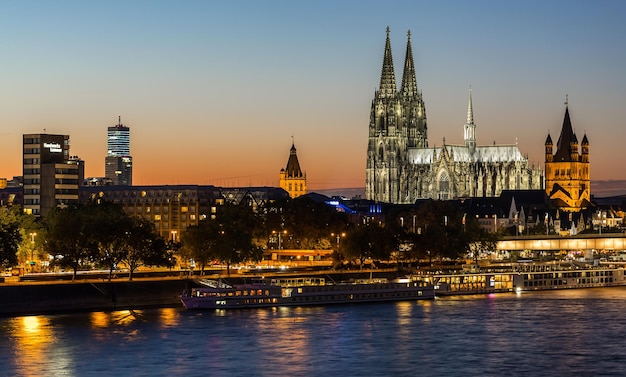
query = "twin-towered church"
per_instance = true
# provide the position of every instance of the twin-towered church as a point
(402, 167)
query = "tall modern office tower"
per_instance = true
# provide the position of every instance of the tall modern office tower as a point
(51, 176)
(118, 162)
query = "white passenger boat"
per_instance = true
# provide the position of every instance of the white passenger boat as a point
(526, 277)
(300, 292)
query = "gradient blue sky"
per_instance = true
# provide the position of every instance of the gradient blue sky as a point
(213, 91)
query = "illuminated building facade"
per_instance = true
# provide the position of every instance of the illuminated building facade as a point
(401, 167)
(173, 208)
(292, 179)
(567, 170)
(50, 176)
(118, 162)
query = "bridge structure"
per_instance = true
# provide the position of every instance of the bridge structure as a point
(599, 242)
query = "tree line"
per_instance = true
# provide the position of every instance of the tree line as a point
(102, 235)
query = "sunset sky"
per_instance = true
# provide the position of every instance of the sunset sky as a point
(214, 91)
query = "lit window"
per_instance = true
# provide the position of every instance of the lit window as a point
(157, 217)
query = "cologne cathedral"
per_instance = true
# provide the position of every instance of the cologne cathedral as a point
(401, 167)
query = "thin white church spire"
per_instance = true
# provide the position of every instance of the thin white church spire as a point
(470, 128)
(470, 109)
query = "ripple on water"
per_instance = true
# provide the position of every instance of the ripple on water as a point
(540, 333)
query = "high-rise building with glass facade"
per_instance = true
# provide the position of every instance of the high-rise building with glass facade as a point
(118, 162)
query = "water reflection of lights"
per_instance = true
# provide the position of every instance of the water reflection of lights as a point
(120, 317)
(100, 319)
(405, 310)
(126, 317)
(34, 338)
(168, 317)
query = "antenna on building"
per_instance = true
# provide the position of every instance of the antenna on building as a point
(566, 99)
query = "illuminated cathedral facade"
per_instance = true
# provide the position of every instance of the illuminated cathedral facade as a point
(402, 167)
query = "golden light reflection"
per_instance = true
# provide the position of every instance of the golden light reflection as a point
(169, 317)
(32, 336)
(125, 317)
(405, 312)
(100, 319)
(290, 336)
(405, 320)
(426, 306)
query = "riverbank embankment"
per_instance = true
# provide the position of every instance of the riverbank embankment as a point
(88, 295)
(26, 297)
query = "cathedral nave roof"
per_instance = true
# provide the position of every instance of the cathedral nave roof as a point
(461, 153)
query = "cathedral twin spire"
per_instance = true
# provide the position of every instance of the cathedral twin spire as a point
(387, 87)
(409, 83)
(399, 113)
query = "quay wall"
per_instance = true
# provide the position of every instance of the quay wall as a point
(64, 297)
(59, 296)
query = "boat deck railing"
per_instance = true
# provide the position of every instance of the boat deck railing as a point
(213, 283)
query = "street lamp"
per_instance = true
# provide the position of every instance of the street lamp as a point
(32, 248)
(338, 235)
(279, 242)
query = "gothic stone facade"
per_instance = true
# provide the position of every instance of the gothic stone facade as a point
(402, 168)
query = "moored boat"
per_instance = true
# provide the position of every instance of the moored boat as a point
(526, 277)
(301, 292)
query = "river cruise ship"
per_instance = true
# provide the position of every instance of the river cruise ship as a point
(301, 292)
(526, 277)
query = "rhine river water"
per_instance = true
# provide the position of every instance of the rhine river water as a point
(555, 333)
